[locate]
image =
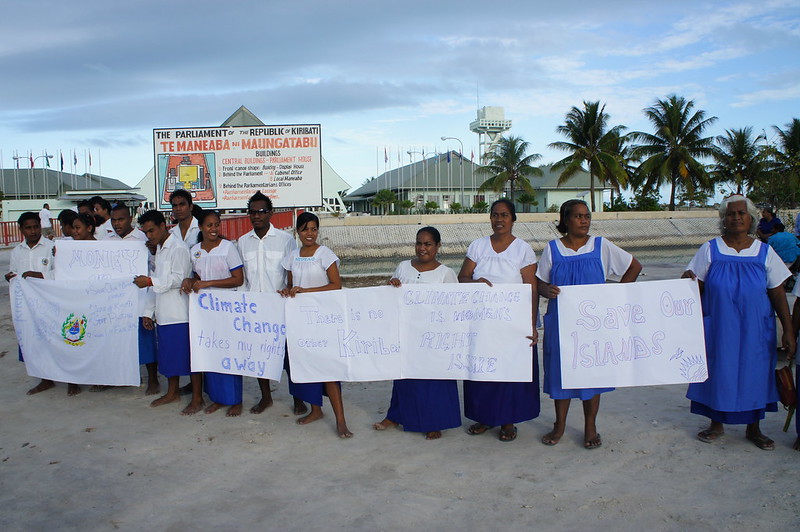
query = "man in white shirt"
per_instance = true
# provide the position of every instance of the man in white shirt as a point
(172, 266)
(45, 218)
(122, 223)
(33, 258)
(186, 229)
(262, 251)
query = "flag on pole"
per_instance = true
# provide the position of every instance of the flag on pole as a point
(90, 158)
(472, 156)
(74, 158)
(448, 156)
(61, 156)
(30, 158)
(460, 158)
(385, 155)
(47, 160)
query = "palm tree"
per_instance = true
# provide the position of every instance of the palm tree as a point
(788, 156)
(508, 163)
(589, 142)
(739, 160)
(670, 154)
(526, 200)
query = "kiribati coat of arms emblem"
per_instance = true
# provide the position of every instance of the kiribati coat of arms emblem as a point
(74, 329)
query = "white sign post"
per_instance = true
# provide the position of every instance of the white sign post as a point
(633, 334)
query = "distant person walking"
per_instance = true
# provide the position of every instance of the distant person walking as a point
(46, 217)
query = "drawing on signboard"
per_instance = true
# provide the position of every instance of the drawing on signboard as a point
(194, 172)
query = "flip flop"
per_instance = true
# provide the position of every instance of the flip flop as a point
(709, 436)
(594, 443)
(507, 436)
(547, 439)
(478, 428)
(761, 441)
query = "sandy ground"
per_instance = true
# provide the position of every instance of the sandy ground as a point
(109, 461)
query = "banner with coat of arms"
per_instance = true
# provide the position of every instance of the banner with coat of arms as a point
(83, 332)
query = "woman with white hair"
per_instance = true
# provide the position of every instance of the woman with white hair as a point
(741, 282)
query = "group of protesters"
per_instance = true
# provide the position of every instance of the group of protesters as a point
(741, 280)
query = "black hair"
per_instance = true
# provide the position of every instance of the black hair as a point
(779, 227)
(67, 216)
(152, 216)
(201, 217)
(104, 203)
(25, 216)
(120, 207)
(508, 203)
(88, 220)
(180, 193)
(258, 196)
(437, 238)
(84, 203)
(565, 212)
(304, 218)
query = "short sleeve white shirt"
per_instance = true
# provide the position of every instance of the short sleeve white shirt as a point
(192, 234)
(615, 260)
(503, 267)
(215, 264)
(38, 258)
(777, 272)
(44, 218)
(105, 231)
(262, 258)
(310, 272)
(409, 275)
(172, 266)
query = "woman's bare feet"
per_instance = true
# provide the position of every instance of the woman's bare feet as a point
(262, 405)
(73, 389)
(213, 407)
(343, 431)
(554, 436)
(165, 399)
(433, 435)
(98, 388)
(385, 424)
(300, 407)
(234, 411)
(43, 385)
(796, 445)
(153, 388)
(193, 407)
(316, 413)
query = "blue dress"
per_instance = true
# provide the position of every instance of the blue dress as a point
(586, 268)
(740, 341)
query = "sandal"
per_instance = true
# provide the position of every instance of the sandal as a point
(508, 435)
(594, 443)
(478, 428)
(761, 441)
(709, 436)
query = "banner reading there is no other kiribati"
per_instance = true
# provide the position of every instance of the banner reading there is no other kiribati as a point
(83, 332)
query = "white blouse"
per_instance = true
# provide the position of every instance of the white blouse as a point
(503, 267)
(217, 263)
(777, 272)
(310, 272)
(408, 274)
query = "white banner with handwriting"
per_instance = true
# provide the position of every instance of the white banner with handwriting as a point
(78, 260)
(423, 331)
(83, 332)
(242, 333)
(632, 334)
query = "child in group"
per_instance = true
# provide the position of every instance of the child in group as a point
(83, 227)
(577, 258)
(262, 251)
(314, 268)
(216, 265)
(423, 405)
(172, 266)
(33, 259)
(65, 218)
(122, 222)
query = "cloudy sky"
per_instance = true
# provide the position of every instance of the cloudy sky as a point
(99, 75)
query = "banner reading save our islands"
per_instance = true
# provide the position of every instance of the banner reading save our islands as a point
(632, 334)
(84, 332)
(222, 167)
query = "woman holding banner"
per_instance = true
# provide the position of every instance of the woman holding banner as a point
(216, 265)
(574, 259)
(423, 405)
(501, 258)
(741, 283)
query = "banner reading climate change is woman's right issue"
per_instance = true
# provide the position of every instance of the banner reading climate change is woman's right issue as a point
(633, 334)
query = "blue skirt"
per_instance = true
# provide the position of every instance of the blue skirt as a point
(174, 357)
(733, 418)
(223, 388)
(147, 344)
(425, 405)
(502, 403)
(310, 392)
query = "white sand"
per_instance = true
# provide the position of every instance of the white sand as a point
(109, 461)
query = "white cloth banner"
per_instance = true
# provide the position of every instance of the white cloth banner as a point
(78, 260)
(241, 333)
(430, 331)
(632, 334)
(85, 332)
